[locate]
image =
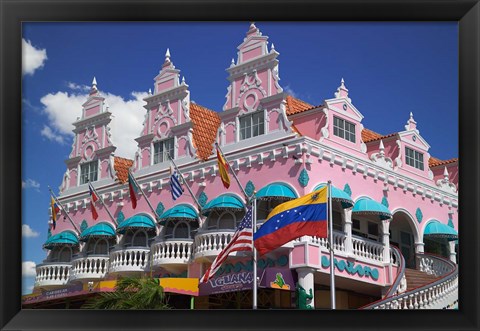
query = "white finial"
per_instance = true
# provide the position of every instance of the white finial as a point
(94, 82)
(445, 173)
(273, 47)
(382, 148)
(342, 81)
(411, 115)
(233, 61)
(167, 53)
(183, 80)
(150, 91)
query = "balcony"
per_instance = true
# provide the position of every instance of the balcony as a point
(172, 255)
(52, 274)
(131, 259)
(93, 267)
(209, 244)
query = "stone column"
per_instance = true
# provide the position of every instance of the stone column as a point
(386, 240)
(419, 248)
(453, 254)
(347, 228)
(306, 281)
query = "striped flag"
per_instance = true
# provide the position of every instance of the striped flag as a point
(133, 189)
(175, 186)
(55, 211)
(241, 241)
(93, 199)
(223, 169)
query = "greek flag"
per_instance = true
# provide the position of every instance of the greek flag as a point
(175, 185)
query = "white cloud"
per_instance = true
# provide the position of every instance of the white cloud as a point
(287, 89)
(28, 269)
(28, 232)
(50, 135)
(77, 87)
(32, 58)
(63, 108)
(30, 183)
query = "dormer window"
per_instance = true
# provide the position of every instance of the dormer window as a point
(414, 158)
(344, 129)
(252, 125)
(161, 150)
(88, 172)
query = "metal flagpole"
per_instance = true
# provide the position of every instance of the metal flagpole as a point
(254, 250)
(63, 210)
(186, 184)
(332, 259)
(233, 173)
(103, 203)
(143, 193)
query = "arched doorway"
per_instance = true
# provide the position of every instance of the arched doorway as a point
(404, 235)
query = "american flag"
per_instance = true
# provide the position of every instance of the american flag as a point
(241, 241)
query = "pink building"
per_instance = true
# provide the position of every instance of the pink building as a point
(395, 206)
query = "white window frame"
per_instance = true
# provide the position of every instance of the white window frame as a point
(414, 158)
(162, 144)
(342, 131)
(260, 125)
(80, 178)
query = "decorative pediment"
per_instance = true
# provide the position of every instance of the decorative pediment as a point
(342, 104)
(445, 183)
(380, 158)
(412, 136)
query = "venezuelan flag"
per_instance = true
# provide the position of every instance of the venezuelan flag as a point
(305, 216)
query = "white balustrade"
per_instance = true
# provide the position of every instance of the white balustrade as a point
(364, 249)
(90, 267)
(433, 265)
(130, 259)
(210, 244)
(52, 274)
(172, 251)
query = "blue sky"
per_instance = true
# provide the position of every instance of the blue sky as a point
(390, 69)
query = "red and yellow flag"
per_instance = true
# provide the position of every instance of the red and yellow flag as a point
(223, 169)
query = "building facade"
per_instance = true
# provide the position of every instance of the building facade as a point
(395, 206)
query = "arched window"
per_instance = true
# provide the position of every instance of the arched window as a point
(90, 247)
(140, 238)
(227, 221)
(65, 254)
(101, 247)
(182, 230)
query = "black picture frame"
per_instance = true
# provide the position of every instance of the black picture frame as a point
(13, 13)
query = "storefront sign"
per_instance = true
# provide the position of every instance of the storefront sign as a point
(229, 283)
(351, 268)
(277, 278)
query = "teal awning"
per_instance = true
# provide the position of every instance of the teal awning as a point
(339, 195)
(435, 229)
(224, 202)
(65, 238)
(102, 229)
(367, 206)
(180, 212)
(276, 191)
(137, 221)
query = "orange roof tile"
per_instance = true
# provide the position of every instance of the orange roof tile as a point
(434, 162)
(295, 106)
(121, 166)
(205, 126)
(369, 135)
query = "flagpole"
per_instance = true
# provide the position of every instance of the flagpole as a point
(103, 203)
(63, 210)
(186, 184)
(254, 250)
(143, 193)
(233, 173)
(332, 259)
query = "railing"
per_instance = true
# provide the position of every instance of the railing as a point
(400, 283)
(440, 294)
(90, 267)
(433, 265)
(172, 251)
(338, 241)
(52, 274)
(365, 249)
(129, 259)
(211, 243)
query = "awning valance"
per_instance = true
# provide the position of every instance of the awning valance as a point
(339, 195)
(99, 230)
(277, 191)
(135, 222)
(224, 202)
(180, 212)
(435, 229)
(65, 238)
(367, 206)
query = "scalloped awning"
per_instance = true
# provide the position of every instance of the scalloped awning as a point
(339, 195)
(435, 229)
(135, 222)
(180, 212)
(276, 190)
(367, 206)
(98, 230)
(224, 202)
(65, 238)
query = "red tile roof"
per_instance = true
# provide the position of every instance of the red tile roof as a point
(121, 166)
(205, 126)
(295, 106)
(369, 135)
(434, 162)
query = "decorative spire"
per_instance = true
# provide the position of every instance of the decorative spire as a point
(411, 124)
(232, 63)
(382, 148)
(445, 174)
(149, 91)
(253, 30)
(167, 62)
(183, 80)
(342, 91)
(94, 89)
